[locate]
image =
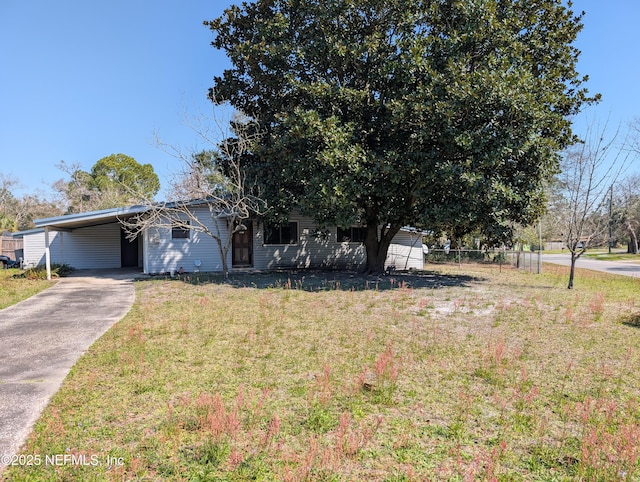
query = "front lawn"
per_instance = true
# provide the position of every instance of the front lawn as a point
(453, 375)
(14, 289)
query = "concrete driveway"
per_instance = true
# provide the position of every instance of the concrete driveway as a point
(42, 337)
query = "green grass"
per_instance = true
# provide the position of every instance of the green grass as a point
(13, 290)
(455, 376)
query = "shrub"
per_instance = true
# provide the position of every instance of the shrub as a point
(40, 272)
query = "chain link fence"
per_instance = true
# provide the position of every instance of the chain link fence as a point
(525, 260)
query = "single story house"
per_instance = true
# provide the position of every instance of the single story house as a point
(98, 240)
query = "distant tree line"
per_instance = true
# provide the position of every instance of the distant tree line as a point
(113, 181)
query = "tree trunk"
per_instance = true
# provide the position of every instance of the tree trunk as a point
(225, 263)
(224, 250)
(633, 241)
(572, 270)
(377, 247)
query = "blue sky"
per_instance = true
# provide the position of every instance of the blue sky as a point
(82, 80)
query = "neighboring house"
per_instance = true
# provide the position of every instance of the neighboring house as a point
(97, 240)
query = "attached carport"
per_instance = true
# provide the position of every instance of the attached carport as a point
(84, 241)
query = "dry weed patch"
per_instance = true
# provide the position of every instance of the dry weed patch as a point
(474, 375)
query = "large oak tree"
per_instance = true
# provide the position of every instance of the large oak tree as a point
(442, 114)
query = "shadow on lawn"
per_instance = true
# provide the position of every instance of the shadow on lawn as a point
(632, 320)
(327, 280)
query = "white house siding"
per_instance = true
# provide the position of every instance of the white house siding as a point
(314, 252)
(164, 254)
(82, 248)
(310, 252)
(34, 248)
(99, 247)
(93, 247)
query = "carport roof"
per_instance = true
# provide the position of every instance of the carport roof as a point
(94, 218)
(79, 220)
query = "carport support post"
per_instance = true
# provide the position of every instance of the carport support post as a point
(47, 252)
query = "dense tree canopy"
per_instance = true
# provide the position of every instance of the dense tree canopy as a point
(123, 173)
(437, 113)
(114, 181)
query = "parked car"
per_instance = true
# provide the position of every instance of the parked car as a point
(7, 262)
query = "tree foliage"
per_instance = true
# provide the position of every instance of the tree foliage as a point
(122, 173)
(18, 212)
(437, 113)
(8, 204)
(113, 181)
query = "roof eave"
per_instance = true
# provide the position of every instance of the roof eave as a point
(89, 217)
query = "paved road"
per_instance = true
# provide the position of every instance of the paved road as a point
(623, 268)
(42, 337)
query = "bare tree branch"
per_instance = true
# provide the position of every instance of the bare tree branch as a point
(214, 179)
(588, 171)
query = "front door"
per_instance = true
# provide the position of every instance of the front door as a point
(242, 247)
(128, 251)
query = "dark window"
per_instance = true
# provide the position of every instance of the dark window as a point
(354, 234)
(284, 234)
(180, 232)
